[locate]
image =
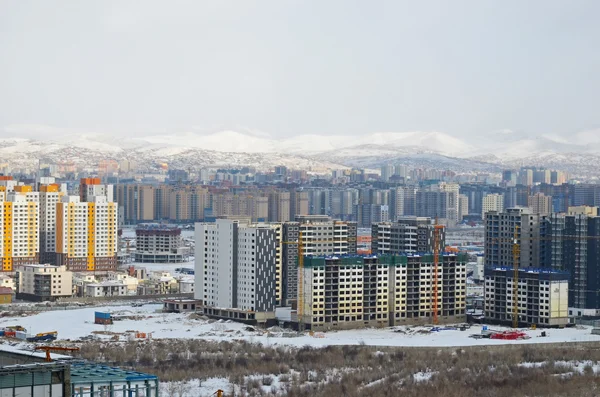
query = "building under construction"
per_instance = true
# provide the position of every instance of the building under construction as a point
(542, 296)
(350, 291)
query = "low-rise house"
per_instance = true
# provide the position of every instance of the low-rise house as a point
(6, 295)
(106, 288)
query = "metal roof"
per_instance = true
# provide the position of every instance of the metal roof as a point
(82, 372)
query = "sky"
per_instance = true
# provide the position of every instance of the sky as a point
(472, 69)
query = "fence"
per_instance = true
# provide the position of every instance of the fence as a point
(69, 303)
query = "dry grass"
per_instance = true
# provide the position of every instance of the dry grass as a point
(354, 371)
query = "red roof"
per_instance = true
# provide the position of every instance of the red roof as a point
(6, 291)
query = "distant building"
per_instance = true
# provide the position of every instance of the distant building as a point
(540, 204)
(408, 235)
(159, 244)
(492, 202)
(543, 296)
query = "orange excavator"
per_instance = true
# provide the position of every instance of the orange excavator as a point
(48, 349)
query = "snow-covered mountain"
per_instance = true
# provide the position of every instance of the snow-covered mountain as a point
(581, 156)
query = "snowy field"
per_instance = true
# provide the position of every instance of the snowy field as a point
(79, 323)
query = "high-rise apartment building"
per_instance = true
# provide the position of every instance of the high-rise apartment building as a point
(320, 236)
(136, 202)
(19, 227)
(86, 233)
(575, 248)
(382, 290)
(367, 214)
(433, 203)
(387, 171)
(463, 206)
(540, 204)
(408, 235)
(298, 203)
(531, 230)
(49, 195)
(90, 187)
(402, 202)
(279, 206)
(492, 202)
(235, 269)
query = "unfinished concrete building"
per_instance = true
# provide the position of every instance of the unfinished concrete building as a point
(342, 292)
(542, 296)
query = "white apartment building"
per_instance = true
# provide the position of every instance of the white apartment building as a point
(43, 282)
(19, 223)
(235, 269)
(50, 195)
(492, 202)
(86, 233)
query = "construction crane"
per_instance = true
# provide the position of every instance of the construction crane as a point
(516, 259)
(300, 300)
(436, 254)
(48, 349)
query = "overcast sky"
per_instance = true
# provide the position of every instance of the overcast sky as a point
(468, 68)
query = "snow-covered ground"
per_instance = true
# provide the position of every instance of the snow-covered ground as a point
(78, 323)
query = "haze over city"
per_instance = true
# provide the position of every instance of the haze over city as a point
(469, 69)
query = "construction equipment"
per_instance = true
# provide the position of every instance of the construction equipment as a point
(43, 336)
(48, 349)
(218, 393)
(436, 259)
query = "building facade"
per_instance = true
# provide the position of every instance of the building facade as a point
(43, 282)
(235, 270)
(408, 235)
(19, 230)
(342, 292)
(86, 234)
(531, 230)
(320, 236)
(492, 202)
(159, 244)
(543, 296)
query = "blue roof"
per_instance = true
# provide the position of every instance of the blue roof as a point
(83, 372)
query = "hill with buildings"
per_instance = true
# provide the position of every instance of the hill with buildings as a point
(311, 152)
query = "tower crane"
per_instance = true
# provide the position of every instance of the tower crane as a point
(436, 257)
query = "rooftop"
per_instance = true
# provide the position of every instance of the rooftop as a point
(82, 372)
